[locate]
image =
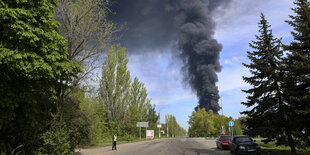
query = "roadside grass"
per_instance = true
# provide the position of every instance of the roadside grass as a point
(109, 142)
(281, 150)
(210, 138)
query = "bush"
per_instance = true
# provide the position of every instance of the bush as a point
(128, 137)
(56, 141)
(80, 129)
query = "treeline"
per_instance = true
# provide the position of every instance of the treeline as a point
(172, 128)
(208, 124)
(49, 51)
(118, 104)
(279, 101)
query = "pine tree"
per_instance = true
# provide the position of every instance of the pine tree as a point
(267, 116)
(297, 71)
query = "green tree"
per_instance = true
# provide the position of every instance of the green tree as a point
(174, 129)
(201, 123)
(33, 61)
(268, 115)
(136, 108)
(152, 117)
(237, 128)
(297, 80)
(114, 91)
(220, 120)
(242, 126)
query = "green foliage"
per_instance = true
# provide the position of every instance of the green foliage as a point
(238, 127)
(296, 80)
(115, 84)
(99, 131)
(174, 129)
(56, 141)
(70, 127)
(266, 116)
(207, 124)
(5, 149)
(138, 106)
(280, 94)
(201, 123)
(120, 104)
(33, 61)
(280, 150)
(43, 110)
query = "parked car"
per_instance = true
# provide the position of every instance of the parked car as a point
(223, 142)
(244, 145)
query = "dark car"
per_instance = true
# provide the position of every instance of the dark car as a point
(244, 145)
(223, 142)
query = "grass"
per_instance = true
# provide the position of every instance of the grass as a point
(281, 150)
(109, 143)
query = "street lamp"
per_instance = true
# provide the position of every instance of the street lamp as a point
(159, 125)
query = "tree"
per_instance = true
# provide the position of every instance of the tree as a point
(85, 24)
(297, 71)
(220, 120)
(268, 114)
(33, 59)
(174, 129)
(137, 108)
(201, 123)
(237, 128)
(152, 117)
(115, 84)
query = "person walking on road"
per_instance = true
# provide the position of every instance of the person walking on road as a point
(114, 141)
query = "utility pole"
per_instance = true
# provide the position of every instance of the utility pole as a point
(222, 115)
(159, 124)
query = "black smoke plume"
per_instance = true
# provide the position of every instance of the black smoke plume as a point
(153, 25)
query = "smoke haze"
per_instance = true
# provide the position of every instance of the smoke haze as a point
(155, 25)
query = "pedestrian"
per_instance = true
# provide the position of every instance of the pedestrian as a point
(114, 141)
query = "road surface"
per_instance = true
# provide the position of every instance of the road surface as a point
(166, 146)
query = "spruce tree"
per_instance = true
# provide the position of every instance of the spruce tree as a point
(297, 74)
(265, 99)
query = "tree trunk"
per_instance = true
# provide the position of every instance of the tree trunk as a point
(290, 140)
(286, 127)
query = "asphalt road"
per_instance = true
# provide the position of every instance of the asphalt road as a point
(171, 146)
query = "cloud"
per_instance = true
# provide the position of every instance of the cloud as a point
(238, 22)
(234, 60)
(231, 100)
(227, 61)
(178, 97)
(237, 26)
(161, 77)
(231, 78)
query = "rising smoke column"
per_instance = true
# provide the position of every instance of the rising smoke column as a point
(200, 51)
(155, 24)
